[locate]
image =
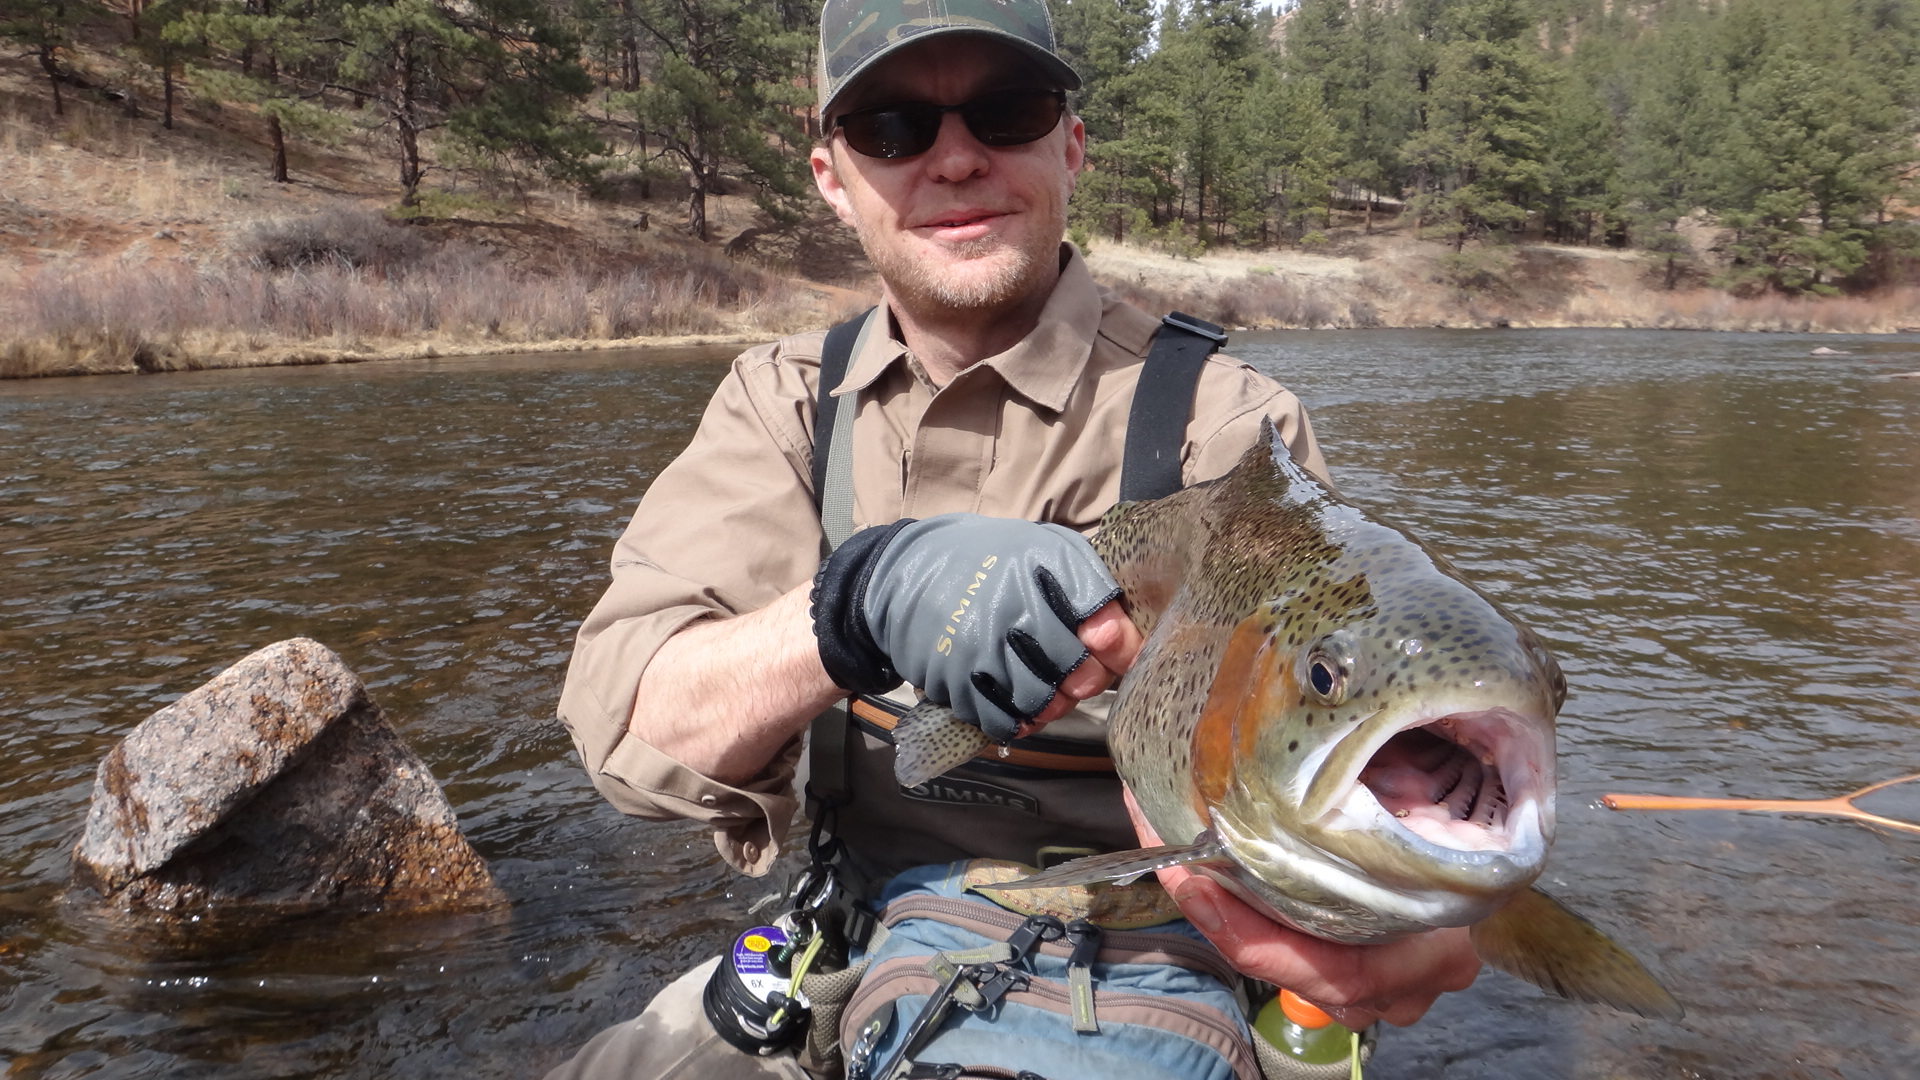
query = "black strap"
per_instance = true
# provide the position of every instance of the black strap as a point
(1162, 402)
(835, 355)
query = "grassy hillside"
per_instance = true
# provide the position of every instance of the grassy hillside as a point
(125, 246)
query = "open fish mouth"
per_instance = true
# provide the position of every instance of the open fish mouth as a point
(1466, 782)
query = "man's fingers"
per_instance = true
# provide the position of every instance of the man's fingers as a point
(1112, 638)
(1396, 982)
(1080, 684)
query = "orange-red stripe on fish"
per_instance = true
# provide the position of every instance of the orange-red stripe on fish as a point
(1274, 685)
(1214, 737)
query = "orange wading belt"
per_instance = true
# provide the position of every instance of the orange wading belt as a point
(1150, 469)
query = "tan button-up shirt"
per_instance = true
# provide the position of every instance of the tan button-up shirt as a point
(1035, 432)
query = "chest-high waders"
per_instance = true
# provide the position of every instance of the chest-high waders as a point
(828, 903)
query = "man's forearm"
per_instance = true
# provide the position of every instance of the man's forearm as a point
(724, 696)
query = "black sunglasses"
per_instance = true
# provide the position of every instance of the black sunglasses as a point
(1002, 118)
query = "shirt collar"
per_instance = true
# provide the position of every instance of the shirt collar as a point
(1043, 367)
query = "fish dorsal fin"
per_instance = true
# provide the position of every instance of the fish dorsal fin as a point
(1123, 866)
(1541, 940)
(1276, 460)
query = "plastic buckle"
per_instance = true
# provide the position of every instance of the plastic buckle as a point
(1194, 325)
(861, 921)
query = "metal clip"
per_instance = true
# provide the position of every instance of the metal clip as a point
(861, 1056)
(814, 888)
(921, 1031)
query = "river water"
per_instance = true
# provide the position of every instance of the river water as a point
(1719, 535)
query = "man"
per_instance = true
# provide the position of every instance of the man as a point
(990, 393)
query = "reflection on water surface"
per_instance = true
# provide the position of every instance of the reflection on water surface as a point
(1719, 535)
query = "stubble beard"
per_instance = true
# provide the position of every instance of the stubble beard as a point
(980, 277)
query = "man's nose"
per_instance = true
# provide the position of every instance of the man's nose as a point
(956, 154)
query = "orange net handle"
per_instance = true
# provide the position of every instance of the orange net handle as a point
(1836, 807)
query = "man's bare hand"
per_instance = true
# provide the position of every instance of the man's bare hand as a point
(1113, 641)
(1357, 984)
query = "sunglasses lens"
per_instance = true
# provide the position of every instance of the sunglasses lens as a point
(1013, 117)
(1008, 118)
(895, 131)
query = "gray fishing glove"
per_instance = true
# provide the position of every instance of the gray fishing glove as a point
(979, 613)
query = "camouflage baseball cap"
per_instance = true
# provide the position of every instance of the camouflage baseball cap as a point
(857, 34)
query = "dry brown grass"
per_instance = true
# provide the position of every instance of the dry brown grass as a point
(1402, 282)
(168, 314)
(1257, 302)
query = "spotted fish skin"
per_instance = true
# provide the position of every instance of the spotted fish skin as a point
(1328, 720)
(1242, 585)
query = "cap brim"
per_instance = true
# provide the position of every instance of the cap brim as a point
(1055, 67)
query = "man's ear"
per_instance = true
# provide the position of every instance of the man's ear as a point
(1076, 150)
(827, 179)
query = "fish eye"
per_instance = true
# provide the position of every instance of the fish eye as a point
(1328, 679)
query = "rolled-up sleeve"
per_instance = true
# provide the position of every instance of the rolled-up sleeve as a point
(725, 529)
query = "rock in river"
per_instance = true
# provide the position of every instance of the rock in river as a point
(279, 783)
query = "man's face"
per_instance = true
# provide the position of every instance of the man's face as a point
(964, 227)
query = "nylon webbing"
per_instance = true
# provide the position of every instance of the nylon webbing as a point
(1162, 402)
(833, 431)
(833, 493)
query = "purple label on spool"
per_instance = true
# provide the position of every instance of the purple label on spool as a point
(751, 951)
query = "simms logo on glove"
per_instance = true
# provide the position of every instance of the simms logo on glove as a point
(882, 600)
(945, 645)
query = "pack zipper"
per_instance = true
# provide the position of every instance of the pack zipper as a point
(905, 975)
(1116, 947)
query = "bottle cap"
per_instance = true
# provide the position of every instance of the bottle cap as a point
(1303, 1012)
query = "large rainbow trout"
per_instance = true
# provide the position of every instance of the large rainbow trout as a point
(1330, 722)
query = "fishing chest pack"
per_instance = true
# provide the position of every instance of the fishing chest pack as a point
(944, 977)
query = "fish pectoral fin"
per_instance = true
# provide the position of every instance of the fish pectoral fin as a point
(929, 740)
(1122, 866)
(1541, 940)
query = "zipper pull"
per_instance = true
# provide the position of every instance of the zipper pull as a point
(1084, 937)
(1030, 934)
(1004, 981)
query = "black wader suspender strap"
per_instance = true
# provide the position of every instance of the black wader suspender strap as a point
(1162, 402)
(833, 493)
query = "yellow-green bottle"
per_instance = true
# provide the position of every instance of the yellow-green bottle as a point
(1300, 1028)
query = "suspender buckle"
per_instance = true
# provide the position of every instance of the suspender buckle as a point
(1193, 325)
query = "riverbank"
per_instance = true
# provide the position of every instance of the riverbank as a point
(126, 247)
(1392, 279)
(334, 302)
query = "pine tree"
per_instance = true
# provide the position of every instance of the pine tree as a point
(1581, 144)
(1817, 141)
(1209, 55)
(164, 43)
(499, 75)
(1674, 126)
(45, 28)
(1106, 41)
(1290, 152)
(274, 62)
(1482, 153)
(724, 96)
